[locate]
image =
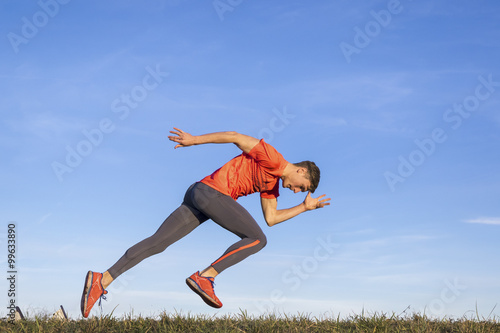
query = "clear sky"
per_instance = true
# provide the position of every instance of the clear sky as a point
(396, 101)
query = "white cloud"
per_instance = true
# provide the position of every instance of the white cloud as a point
(485, 220)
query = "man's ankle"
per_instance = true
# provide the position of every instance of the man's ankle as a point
(106, 279)
(209, 272)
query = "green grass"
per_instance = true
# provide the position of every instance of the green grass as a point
(244, 323)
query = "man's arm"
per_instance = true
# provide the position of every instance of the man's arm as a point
(183, 139)
(273, 215)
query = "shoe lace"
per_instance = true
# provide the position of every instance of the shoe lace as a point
(102, 297)
(211, 279)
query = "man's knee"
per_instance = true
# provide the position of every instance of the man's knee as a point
(262, 241)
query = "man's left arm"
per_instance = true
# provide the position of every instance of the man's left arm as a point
(184, 139)
(273, 215)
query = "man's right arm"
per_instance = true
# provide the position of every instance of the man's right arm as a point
(183, 139)
(273, 215)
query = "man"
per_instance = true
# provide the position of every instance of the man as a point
(258, 169)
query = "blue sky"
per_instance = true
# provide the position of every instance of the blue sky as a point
(396, 101)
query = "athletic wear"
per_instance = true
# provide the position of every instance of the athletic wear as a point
(257, 171)
(214, 198)
(92, 292)
(204, 286)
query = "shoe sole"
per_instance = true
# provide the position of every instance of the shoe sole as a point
(86, 287)
(207, 299)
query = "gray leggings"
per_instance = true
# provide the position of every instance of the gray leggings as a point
(201, 202)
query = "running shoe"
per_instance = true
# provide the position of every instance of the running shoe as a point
(204, 287)
(92, 292)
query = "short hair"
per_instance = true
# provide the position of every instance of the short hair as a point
(312, 173)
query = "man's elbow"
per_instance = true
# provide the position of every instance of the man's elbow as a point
(235, 137)
(270, 221)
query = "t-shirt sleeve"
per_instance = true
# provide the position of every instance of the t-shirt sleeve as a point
(268, 158)
(271, 194)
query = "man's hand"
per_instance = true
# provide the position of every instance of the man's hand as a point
(182, 138)
(311, 203)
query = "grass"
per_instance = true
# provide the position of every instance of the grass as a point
(244, 323)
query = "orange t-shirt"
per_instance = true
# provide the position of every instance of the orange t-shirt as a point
(259, 170)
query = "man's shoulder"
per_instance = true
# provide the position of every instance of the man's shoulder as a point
(264, 147)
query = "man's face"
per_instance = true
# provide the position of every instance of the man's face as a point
(297, 181)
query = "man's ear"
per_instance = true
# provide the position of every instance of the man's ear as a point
(302, 171)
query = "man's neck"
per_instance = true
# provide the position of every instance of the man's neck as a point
(288, 170)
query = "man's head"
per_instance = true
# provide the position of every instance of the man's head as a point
(302, 176)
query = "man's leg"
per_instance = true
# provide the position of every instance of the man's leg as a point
(181, 222)
(233, 217)
(230, 215)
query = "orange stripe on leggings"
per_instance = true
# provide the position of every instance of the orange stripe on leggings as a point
(234, 251)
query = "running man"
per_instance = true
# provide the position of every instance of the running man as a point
(258, 169)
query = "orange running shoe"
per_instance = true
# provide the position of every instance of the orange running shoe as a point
(92, 292)
(204, 286)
